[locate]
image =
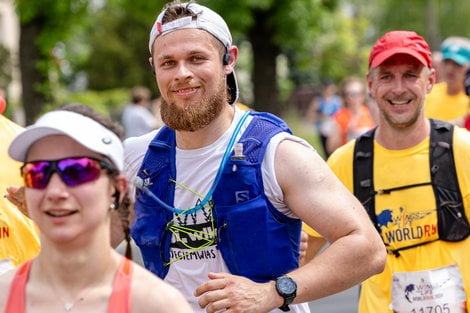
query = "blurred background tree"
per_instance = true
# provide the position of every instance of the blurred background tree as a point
(275, 28)
(93, 51)
(118, 45)
(43, 24)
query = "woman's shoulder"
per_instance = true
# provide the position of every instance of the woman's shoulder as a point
(152, 294)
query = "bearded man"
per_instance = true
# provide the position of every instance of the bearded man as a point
(222, 192)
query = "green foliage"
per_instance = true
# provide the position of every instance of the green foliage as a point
(319, 38)
(444, 17)
(286, 86)
(118, 36)
(57, 19)
(45, 23)
(340, 50)
(110, 102)
(118, 55)
(286, 27)
(294, 23)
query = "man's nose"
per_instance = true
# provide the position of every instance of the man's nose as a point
(183, 71)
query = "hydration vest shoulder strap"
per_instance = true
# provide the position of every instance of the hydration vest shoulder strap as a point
(441, 158)
(443, 173)
(363, 172)
(452, 222)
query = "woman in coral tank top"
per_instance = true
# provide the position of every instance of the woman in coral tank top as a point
(72, 165)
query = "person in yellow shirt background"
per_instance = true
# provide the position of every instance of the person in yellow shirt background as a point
(398, 174)
(447, 100)
(19, 237)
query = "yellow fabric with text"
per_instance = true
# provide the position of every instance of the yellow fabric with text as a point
(19, 238)
(408, 216)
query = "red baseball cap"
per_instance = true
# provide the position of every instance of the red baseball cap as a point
(400, 41)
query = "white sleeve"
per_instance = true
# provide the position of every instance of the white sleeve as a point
(271, 186)
(135, 149)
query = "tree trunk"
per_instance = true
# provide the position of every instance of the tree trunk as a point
(31, 77)
(432, 25)
(264, 77)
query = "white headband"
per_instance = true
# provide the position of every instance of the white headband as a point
(204, 18)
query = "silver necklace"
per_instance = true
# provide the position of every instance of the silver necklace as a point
(68, 306)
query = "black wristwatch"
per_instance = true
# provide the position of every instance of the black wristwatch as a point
(286, 288)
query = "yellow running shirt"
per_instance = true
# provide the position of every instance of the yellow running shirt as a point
(439, 105)
(19, 240)
(310, 231)
(407, 217)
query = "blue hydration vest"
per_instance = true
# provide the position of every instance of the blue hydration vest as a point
(255, 239)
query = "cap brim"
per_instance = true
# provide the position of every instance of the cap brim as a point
(457, 58)
(386, 54)
(20, 145)
(232, 87)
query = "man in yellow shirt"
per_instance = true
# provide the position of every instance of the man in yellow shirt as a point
(19, 238)
(424, 271)
(448, 101)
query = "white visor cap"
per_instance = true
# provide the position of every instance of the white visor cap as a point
(80, 128)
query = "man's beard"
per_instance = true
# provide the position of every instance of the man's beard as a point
(194, 116)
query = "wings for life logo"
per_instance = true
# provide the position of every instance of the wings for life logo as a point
(423, 291)
(438, 290)
(405, 226)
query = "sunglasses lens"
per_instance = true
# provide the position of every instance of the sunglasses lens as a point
(78, 171)
(72, 171)
(36, 175)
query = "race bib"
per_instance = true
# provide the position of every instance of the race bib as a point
(433, 291)
(5, 266)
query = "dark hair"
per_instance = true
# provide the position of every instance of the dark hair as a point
(326, 81)
(122, 207)
(174, 10)
(139, 94)
(352, 80)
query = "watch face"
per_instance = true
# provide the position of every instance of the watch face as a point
(287, 285)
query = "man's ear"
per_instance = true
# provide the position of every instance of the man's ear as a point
(369, 83)
(230, 58)
(151, 64)
(431, 80)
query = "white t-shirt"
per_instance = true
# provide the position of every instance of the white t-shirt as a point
(196, 170)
